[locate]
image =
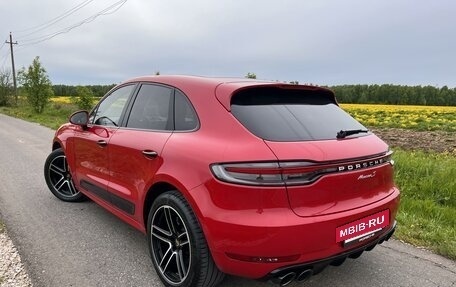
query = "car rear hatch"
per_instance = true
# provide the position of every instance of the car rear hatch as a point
(327, 161)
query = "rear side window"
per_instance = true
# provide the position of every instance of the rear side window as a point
(152, 109)
(185, 118)
(278, 114)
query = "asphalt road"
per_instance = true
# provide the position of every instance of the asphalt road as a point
(80, 244)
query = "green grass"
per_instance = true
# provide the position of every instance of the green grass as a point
(427, 216)
(54, 115)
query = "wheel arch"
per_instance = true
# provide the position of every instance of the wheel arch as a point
(162, 184)
(153, 192)
(56, 145)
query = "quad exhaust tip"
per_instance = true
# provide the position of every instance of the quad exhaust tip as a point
(304, 275)
(286, 279)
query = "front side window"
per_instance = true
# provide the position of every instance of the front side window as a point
(109, 111)
(152, 108)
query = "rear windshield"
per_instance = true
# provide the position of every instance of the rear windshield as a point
(278, 114)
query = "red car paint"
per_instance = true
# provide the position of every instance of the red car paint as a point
(251, 230)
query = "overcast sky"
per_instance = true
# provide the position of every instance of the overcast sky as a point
(410, 42)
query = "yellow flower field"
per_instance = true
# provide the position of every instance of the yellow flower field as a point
(425, 118)
(61, 100)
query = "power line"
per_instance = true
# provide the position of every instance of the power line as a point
(106, 11)
(3, 59)
(54, 20)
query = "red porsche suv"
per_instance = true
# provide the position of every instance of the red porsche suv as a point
(258, 179)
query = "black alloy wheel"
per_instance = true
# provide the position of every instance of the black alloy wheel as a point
(58, 177)
(177, 244)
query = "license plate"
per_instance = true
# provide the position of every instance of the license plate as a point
(362, 229)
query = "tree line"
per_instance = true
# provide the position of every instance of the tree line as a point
(395, 95)
(38, 89)
(356, 94)
(390, 94)
(67, 90)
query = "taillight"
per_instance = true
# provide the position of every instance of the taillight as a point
(294, 173)
(291, 172)
(268, 173)
(271, 173)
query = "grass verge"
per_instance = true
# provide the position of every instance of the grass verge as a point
(427, 216)
(54, 115)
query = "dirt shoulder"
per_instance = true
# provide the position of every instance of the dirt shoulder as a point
(437, 141)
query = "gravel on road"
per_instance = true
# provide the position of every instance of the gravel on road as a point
(12, 270)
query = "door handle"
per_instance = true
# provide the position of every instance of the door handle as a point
(150, 153)
(102, 143)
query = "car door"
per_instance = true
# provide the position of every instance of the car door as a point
(135, 150)
(90, 144)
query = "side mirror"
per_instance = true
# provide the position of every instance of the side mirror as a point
(80, 118)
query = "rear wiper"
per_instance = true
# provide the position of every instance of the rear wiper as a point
(345, 133)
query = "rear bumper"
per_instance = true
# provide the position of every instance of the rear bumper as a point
(301, 272)
(247, 242)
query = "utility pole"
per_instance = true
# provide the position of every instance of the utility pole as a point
(12, 64)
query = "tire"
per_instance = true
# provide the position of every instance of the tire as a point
(177, 245)
(58, 177)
